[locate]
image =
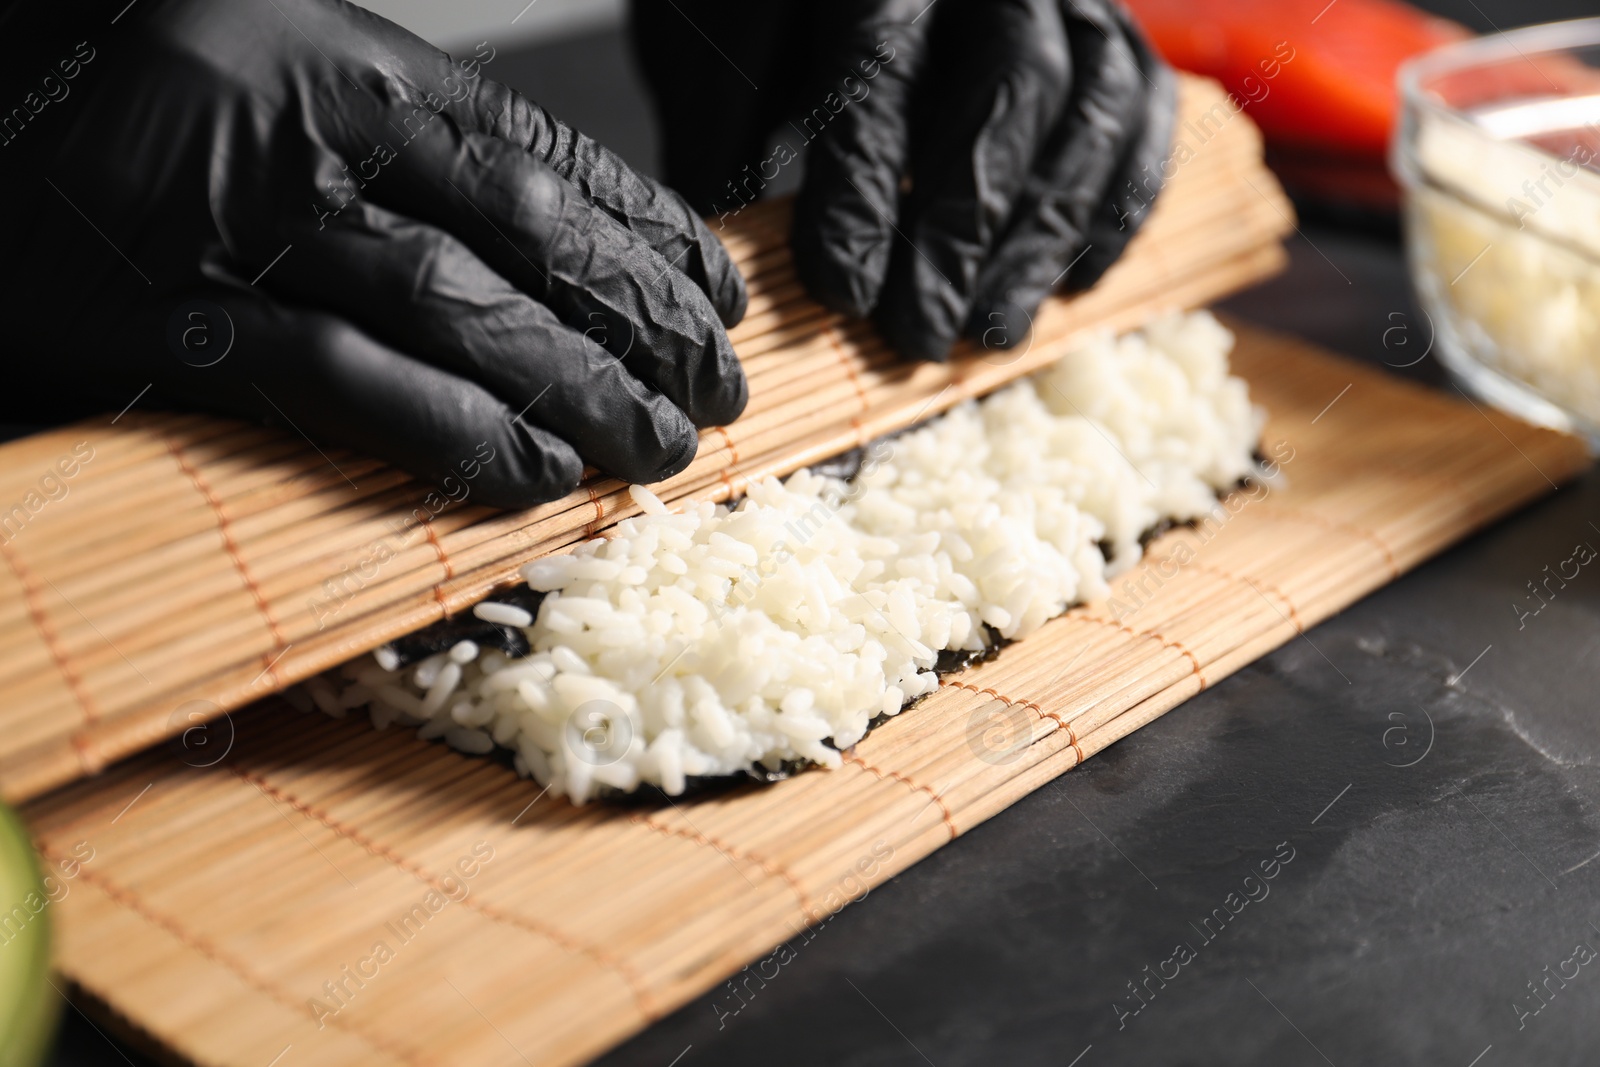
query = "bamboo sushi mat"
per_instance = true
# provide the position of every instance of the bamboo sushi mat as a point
(190, 565)
(219, 899)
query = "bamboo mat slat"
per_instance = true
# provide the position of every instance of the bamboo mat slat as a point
(220, 899)
(192, 565)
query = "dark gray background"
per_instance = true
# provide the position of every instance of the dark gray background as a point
(1416, 907)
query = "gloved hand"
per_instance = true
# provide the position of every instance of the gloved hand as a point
(295, 211)
(963, 157)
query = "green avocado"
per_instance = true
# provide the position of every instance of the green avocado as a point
(29, 1007)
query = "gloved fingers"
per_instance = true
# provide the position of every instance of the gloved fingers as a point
(535, 230)
(856, 130)
(337, 385)
(1138, 180)
(1105, 116)
(996, 83)
(659, 217)
(422, 291)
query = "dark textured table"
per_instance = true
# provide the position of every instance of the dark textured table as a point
(1374, 846)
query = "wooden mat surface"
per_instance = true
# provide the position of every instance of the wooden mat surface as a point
(236, 910)
(187, 565)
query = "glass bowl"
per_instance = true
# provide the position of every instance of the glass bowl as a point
(1498, 157)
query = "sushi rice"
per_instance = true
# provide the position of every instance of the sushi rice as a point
(717, 640)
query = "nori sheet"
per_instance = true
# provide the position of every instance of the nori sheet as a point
(441, 636)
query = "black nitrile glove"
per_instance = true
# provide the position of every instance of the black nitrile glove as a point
(295, 211)
(964, 157)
